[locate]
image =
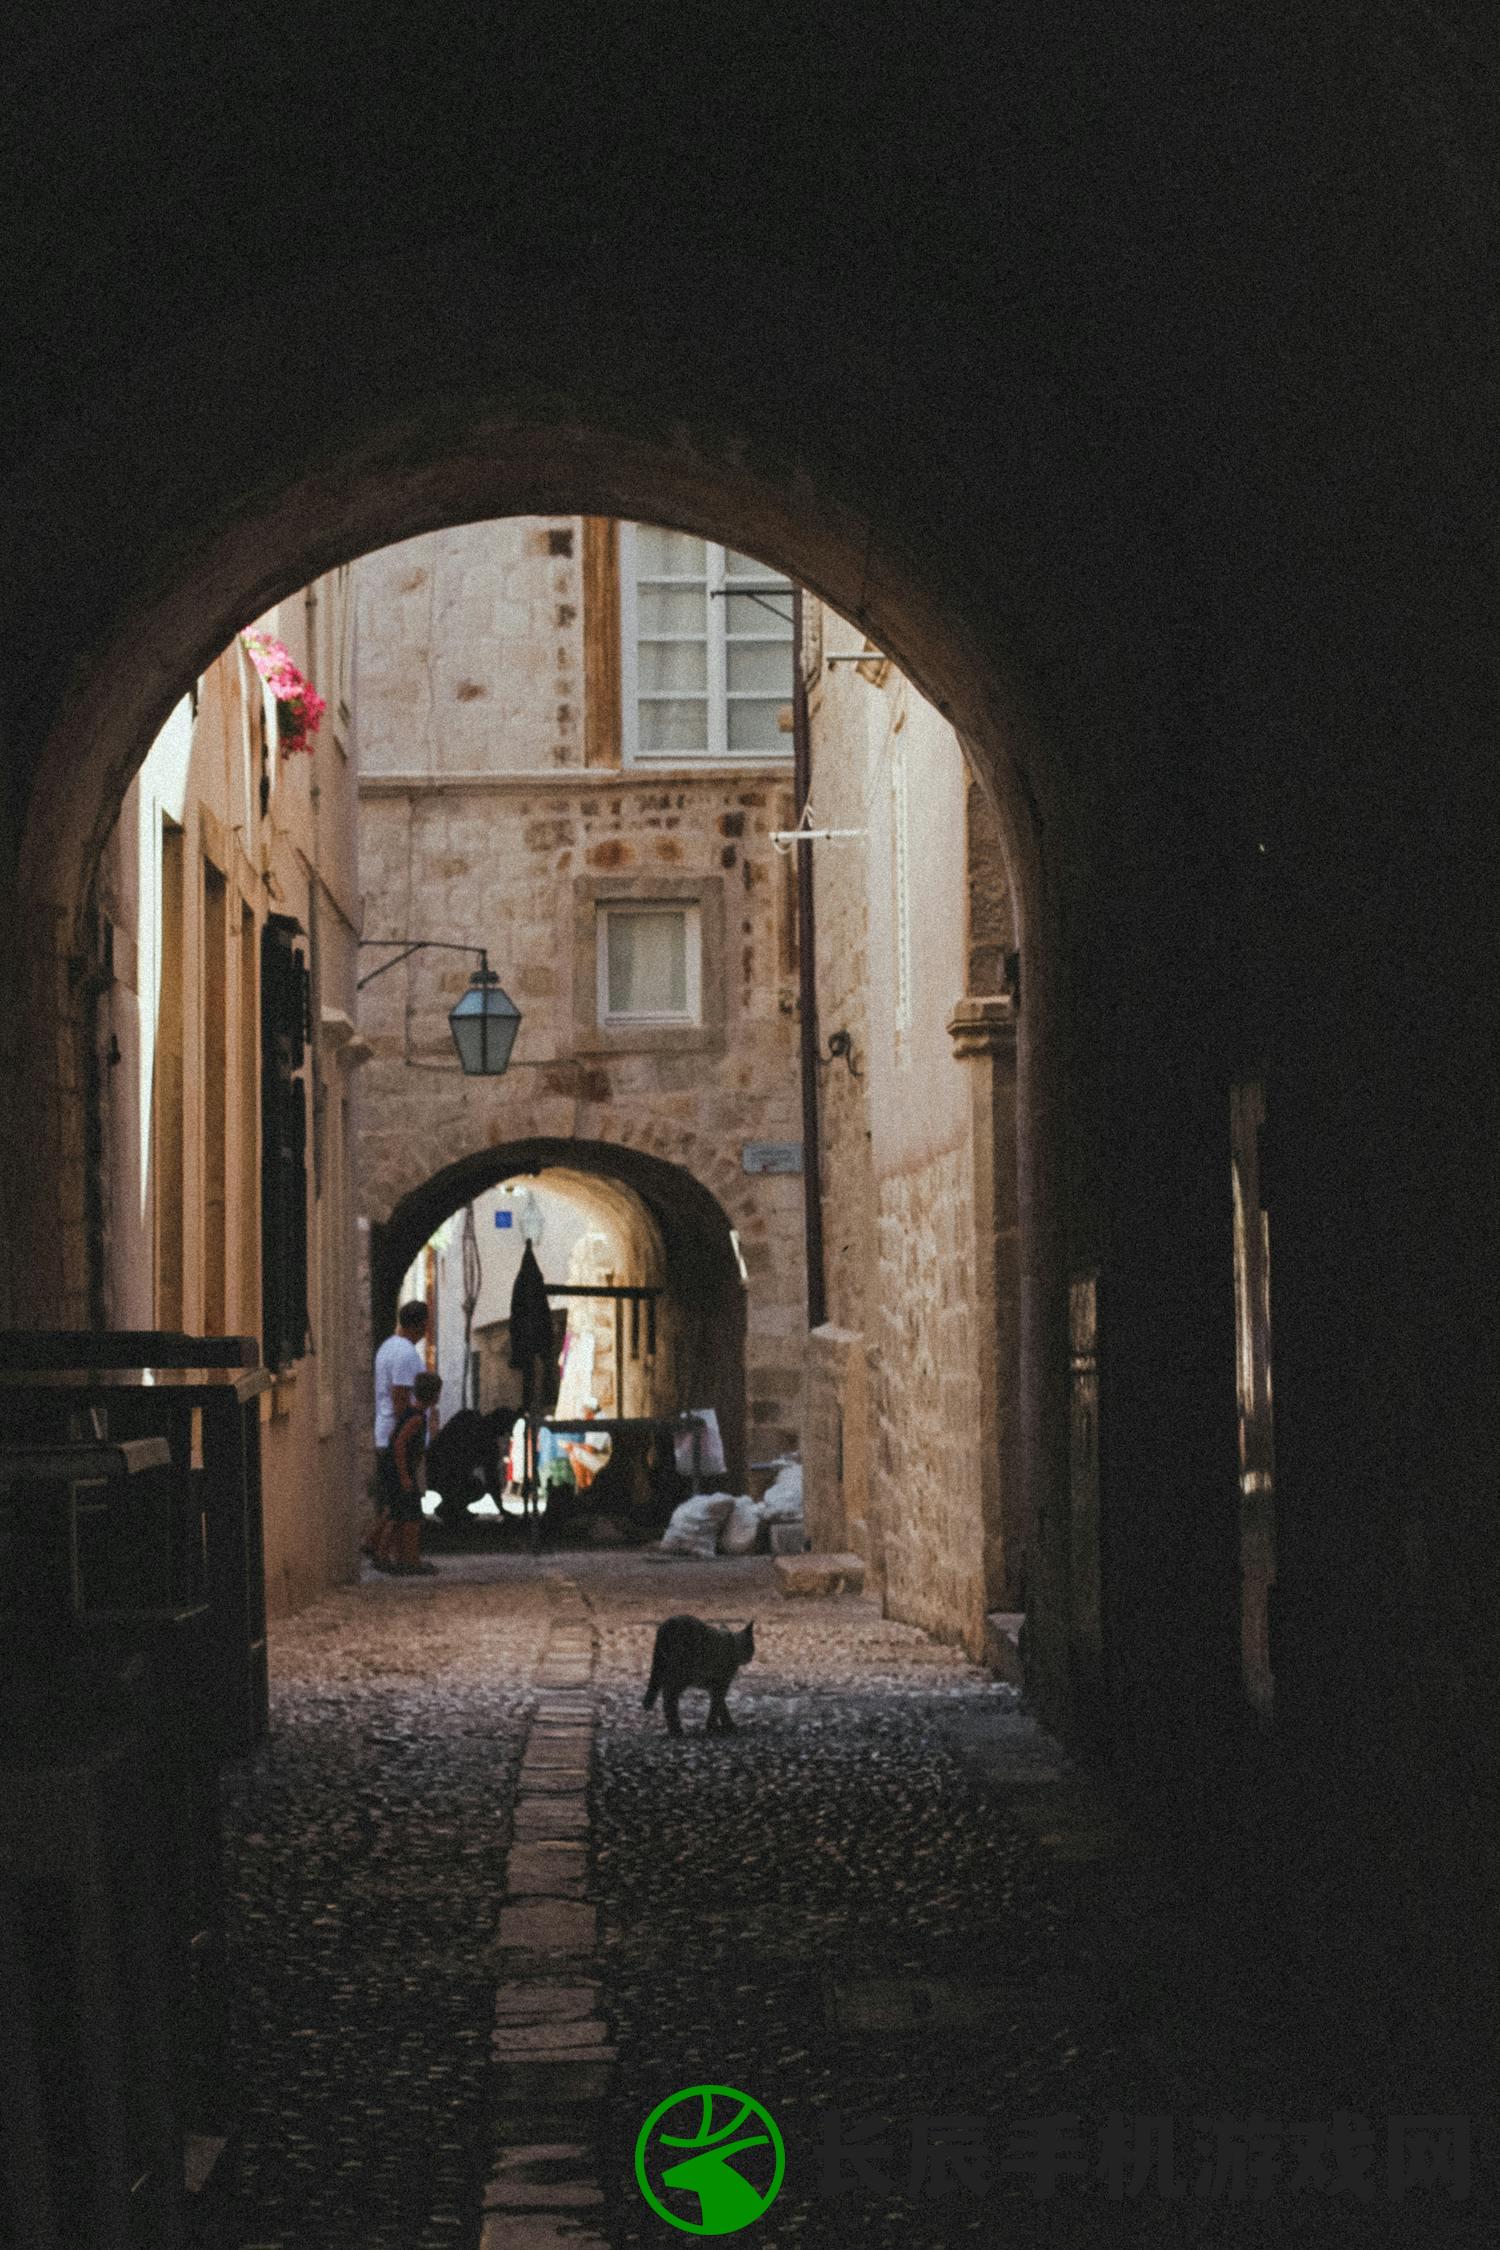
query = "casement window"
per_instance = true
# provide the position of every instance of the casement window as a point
(706, 652)
(650, 962)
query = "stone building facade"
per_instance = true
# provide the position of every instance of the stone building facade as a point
(230, 873)
(912, 1387)
(523, 787)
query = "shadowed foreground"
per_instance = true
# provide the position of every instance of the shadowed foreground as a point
(975, 2004)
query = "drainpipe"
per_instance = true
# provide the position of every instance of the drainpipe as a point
(807, 979)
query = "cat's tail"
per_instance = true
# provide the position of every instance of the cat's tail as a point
(653, 1683)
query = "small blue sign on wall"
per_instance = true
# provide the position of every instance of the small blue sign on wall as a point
(505, 1218)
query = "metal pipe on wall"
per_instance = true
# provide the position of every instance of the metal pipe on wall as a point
(807, 986)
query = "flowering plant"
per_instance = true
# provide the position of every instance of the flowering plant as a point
(299, 707)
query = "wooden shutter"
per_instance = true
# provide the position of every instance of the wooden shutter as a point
(284, 1033)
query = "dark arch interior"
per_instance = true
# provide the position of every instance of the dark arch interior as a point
(1136, 359)
(700, 1257)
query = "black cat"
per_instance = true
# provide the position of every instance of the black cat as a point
(689, 1653)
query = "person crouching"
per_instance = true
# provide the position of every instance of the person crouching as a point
(407, 1481)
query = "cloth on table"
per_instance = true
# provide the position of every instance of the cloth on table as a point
(546, 1453)
(588, 1454)
(710, 1445)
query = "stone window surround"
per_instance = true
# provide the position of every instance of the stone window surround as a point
(590, 1036)
(684, 912)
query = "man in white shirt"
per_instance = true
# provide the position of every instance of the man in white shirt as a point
(398, 1363)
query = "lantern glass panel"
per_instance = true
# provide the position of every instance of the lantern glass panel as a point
(484, 1026)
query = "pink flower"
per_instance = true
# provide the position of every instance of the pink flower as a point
(300, 707)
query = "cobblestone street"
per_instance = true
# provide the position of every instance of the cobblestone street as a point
(885, 1898)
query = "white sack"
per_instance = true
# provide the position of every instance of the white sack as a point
(741, 1526)
(696, 1524)
(782, 1502)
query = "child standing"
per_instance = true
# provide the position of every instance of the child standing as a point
(406, 1482)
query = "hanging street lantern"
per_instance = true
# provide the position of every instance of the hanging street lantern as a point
(484, 1025)
(486, 1020)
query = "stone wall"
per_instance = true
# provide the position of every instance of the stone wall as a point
(492, 833)
(928, 1416)
(835, 1448)
(910, 1409)
(174, 1237)
(471, 649)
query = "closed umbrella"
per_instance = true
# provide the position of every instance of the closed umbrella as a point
(532, 1344)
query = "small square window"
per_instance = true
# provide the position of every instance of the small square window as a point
(650, 963)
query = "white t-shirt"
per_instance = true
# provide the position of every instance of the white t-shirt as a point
(398, 1363)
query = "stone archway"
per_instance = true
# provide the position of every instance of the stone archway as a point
(1114, 419)
(695, 1222)
(469, 465)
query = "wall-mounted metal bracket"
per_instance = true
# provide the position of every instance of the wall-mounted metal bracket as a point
(841, 1049)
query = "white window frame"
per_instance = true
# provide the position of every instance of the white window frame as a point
(692, 914)
(717, 582)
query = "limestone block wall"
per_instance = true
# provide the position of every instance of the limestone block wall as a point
(903, 1405)
(498, 861)
(480, 824)
(470, 649)
(926, 1409)
(835, 1449)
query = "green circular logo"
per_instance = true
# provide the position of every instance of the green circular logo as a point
(710, 2160)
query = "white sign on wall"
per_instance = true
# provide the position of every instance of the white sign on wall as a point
(772, 1156)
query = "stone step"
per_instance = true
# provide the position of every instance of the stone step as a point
(542, 2195)
(546, 1999)
(548, 1925)
(552, 1870)
(537, 2230)
(819, 1575)
(585, 2038)
(548, 1815)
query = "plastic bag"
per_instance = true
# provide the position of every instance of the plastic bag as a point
(710, 1445)
(696, 1524)
(782, 1500)
(741, 1527)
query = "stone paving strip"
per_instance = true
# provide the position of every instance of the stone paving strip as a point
(551, 2042)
